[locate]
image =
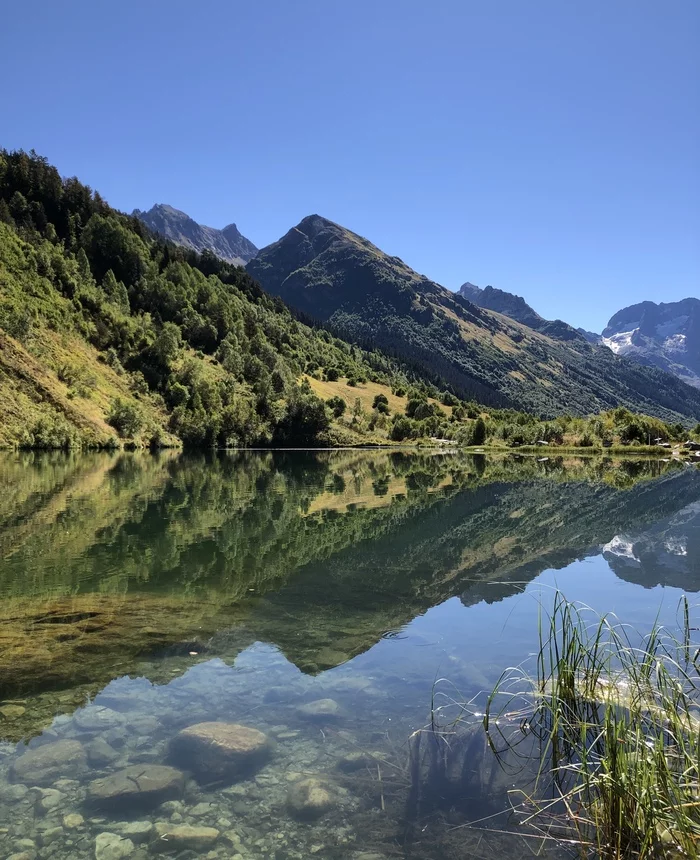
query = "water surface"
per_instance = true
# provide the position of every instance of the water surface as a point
(327, 600)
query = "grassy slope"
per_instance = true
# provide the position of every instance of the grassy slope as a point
(31, 390)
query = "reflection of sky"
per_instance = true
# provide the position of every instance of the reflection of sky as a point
(492, 637)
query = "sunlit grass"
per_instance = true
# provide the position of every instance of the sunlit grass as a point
(617, 719)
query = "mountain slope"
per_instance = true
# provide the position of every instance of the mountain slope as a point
(665, 335)
(171, 223)
(332, 274)
(108, 331)
(518, 309)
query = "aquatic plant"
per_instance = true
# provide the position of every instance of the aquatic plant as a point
(617, 718)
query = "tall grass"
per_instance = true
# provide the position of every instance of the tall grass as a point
(617, 716)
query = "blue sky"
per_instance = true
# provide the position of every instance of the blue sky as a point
(549, 148)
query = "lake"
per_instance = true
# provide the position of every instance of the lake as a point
(237, 655)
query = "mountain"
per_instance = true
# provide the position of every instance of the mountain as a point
(518, 309)
(371, 298)
(109, 332)
(229, 243)
(665, 335)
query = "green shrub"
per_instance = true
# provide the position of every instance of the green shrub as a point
(126, 418)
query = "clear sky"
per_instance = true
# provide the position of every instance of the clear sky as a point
(547, 147)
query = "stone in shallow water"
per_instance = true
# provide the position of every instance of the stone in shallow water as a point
(100, 753)
(95, 719)
(137, 831)
(320, 710)
(50, 799)
(215, 750)
(143, 785)
(13, 793)
(73, 821)
(357, 761)
(45, 764)
(12, 712)
(174, 838)
(310, 798)
(110, 846)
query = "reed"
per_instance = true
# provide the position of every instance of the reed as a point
(617, 717)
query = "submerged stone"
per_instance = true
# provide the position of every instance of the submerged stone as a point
(180, 837)
(95, 719)
(216, 750)
(12, 712)
(110, 846)
(44, 765)
(320, 710)
(356, 761)
(100, 753)
(137, 831)
(137, 785)
(73, 821)
(310, 798)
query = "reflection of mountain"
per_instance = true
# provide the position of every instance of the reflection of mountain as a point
(667, 553)
(482, 543)
(108, 560)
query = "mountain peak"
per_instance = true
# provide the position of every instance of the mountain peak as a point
(176, 225)
(665, 335)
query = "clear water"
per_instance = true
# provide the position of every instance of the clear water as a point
(140, 595)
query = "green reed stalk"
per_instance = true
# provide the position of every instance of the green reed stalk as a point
(619, 728)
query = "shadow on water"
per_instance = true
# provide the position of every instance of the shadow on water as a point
(311, 596)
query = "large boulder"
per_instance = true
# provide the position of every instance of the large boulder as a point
(45, 764)
(181, 837)
(140, 786)
(310, 798)
(218, 751)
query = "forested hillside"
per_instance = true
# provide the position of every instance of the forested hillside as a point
(111, 335)
(108, 331)
(375, 299)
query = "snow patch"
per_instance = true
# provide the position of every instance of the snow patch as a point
(619, 343)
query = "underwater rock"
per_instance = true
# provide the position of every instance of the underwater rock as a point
(109, 846)
(13, 793)
(310, 798)
(140, 785)
(50, 799)
(45, 764)
(11, 711)
(73, 821)
(356, 761)
(216, 750)
(137, 831)
(100, 753)
(174, 838)
(95, 718)
(320, 710)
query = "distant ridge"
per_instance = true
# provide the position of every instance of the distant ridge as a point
(173, 224)
(517, 308)
(375, 300)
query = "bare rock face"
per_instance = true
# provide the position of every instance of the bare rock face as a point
(310, 798)
(140, 785)
(216, 751)
(45, 764)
